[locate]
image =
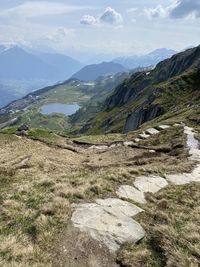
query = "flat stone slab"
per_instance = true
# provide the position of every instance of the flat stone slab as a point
(109, 222)
(98, 147)
(137, 140)
(152, 131)
(194, 154)
(150, 183)
(130, 192)
(185, 178)
(144, 136)
(163, 127)
(128, 143)
(113, 146)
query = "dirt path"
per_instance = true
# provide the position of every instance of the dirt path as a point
(78, 249)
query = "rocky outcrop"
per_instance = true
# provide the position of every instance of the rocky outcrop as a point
(140, 116)
(9, 123)
(177, 65)
(109, 221)
(172, 80)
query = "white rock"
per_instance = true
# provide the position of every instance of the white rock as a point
(150, 183)
(98, 147)
(102, 147)
(137, 140)
(144, 136)
(152, 131)
(92, 147)
(119, 144)
(109, 222)
(163, 127)
(152, 151)
(113, 145)
(128, 143)
(130, 192)
(185, 178)
(115, 205)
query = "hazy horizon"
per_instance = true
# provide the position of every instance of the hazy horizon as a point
(104, 29)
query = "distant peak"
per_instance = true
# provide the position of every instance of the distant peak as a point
(162, 51)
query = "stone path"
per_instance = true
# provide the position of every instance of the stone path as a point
(110, 221)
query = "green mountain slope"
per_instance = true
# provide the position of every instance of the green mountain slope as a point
(171, 88)
(28, 109)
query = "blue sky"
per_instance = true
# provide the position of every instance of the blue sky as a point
(86, 28)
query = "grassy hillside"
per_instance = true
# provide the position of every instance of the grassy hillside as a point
(173, 87)
(32, 225)
(28, 109)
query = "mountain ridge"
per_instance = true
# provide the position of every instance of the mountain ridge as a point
(93, 71)
(148, 95)
(146, 60)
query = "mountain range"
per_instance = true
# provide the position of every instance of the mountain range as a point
(123, 102)
(23, 71)
(170, 90)
(147, 60)
(18, 64)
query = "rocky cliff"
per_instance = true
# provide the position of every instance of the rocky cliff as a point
(174, 83)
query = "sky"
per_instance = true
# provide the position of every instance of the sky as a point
(87, 29)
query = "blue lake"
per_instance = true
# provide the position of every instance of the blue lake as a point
(67, 109)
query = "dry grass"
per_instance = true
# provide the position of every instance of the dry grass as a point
(38, 184)
(171, 221)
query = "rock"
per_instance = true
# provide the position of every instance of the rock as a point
(179, 179)
(101, 147)
(130, 192)
(92, 147)
(115, 205)
(141, 115)
(152, 131)
(150, 183)
(113, 145)
(119, 144)
(109, 222)
(185, 178)
(23, 127)
(128, 143)
(21, 133)
(163, 127)
(194, 154)
(144, 136)
(98, 147)
(137, 140)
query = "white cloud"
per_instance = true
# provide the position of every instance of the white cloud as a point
(176, 10)
(37, 8)
(186, 9)
(160, 11)
(88, 20)
(109, 17)
(60, 34)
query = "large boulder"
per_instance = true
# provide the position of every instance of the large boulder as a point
(109, 221)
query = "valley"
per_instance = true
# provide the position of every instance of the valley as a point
(105, 172)
(28, 110)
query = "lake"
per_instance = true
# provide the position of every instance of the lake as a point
(67, 109)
